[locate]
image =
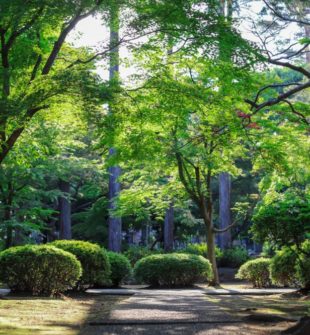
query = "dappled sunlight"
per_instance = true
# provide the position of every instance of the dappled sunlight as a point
(51, 316)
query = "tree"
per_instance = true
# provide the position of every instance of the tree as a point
(226, 9)
(65, 211)
(282, 218)
(224, 209)
(169, 228)
(191, 139)
(33, 75)
(115, 223)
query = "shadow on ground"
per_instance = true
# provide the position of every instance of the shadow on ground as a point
(157, 312)
(171, 312)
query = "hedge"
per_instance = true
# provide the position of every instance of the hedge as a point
(172, 270)
(94, 260)
(39, 269)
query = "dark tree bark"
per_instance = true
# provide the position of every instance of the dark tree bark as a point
(8, 215)
(115, 223)
(65, 232)
(169, 228)
(307, 32)
(206, 208)
(224, 213)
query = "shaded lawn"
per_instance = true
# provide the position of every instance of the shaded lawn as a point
(24, 315)
(284, 305)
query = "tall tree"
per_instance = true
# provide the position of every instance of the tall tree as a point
(225, 239)
(224, 177)
(115, 222)
(169, 228)
(65, 232)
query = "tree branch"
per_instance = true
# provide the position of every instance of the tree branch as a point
(183, 178)
(26, 27)
(285, 18)
(304, 119)
(62, 36)
(219, 231)
(282, 97)
(9, 143)
(299, 69)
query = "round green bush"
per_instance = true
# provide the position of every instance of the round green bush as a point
(256, 271)
(172, 270)
(120, 267)
(282, 267)
(94, 260)
(303, 265)
(39, 269)
(234, 257)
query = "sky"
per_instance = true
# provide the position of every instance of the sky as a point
(92, 33)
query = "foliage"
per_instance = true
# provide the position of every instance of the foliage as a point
(256, 271)
(172, 269)
(120, 267)
(39, 269)
(283, 218)
(88, 224)
(282, 267)
(201, 249)
(268, 250)
(94, 260)
(135, 253)
(303, 265)
(234, 257)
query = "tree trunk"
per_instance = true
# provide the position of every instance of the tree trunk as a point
(9, 229)
(307, 31)
(206, 207)
(225, 214)
(211, 255)
(115, 223)
(65, 232)
(207, 218)
(8, 216)
(169, 228)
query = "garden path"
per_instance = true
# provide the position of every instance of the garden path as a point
(180, 312)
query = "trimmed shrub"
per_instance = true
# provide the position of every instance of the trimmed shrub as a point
(94, 260)
(201, 249)
(39, 269)
(234, 257)
(172, 270)
(282, 267)
(303, 265)
(135, 253)
(256, 271)
(120, 267)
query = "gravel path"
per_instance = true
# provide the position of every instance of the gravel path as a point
(171, 305)
(182, 312)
